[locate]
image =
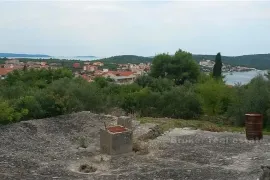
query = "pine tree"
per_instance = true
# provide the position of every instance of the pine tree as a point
(217, 70)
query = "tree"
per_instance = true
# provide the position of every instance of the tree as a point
(252, 98)
(155, 84)
(8, 113)
(101, 81)
(215, 95)
(180, 67)
(36, 77)
(217, 70)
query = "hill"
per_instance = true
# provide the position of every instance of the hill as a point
(123, 59)
(258, 61)
(22, 55)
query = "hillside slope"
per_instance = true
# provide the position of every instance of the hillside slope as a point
(123, 59)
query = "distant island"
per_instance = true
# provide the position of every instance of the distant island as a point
(85, 56)
(23, 55)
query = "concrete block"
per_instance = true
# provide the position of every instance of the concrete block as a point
(116, 140)
(125, 121)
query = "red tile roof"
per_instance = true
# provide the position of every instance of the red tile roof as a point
(5, 71)
(87, 78)
(76, 65)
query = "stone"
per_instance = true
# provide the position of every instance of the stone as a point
(125, 121)
(113, 141)
(266, 173)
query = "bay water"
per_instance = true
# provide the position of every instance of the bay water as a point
(242, 77)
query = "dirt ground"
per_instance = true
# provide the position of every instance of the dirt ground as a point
(55, 148)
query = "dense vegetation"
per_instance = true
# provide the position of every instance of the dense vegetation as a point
(175, 89)
(217, 69)
(124, 59)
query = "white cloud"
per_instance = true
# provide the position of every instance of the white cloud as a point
(116, 27)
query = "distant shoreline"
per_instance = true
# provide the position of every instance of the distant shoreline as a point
(11, 55)
(81, 58)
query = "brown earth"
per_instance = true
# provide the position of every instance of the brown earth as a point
(67, 148)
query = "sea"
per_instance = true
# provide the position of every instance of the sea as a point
(242, 77)
(62, 57)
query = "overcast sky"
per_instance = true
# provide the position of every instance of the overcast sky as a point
(134, 27)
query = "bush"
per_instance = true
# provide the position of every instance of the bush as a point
(215, 95)
(8, 113)
(253, 98)
(33, 94)
(32, 106)
(155, 84)
(180, 102)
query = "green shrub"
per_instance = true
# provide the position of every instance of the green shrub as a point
(180, 102)
(30, 104)
(215, 95)
(8, 113)
(252, 98)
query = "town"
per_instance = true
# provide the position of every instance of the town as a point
(207, 66)
(124, 74)
(89, 70)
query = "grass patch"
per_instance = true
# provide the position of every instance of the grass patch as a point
(167, 123)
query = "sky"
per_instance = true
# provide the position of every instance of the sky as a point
(146, 28)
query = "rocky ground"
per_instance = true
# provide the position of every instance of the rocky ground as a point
(55, 148)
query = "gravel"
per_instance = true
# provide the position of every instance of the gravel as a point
(50, 149)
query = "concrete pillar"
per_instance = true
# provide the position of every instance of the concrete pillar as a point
(125, 121)
(116, 140)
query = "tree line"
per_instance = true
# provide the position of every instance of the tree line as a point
(174, 88)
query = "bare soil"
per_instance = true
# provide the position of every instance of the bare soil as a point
(51, 149)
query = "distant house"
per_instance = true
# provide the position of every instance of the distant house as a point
(105, 70)
(12, 61)
(121, 77)
(13, 64)
(98, 73)
(76, 65)
(87, 78)
(55, 65)
(43, 63)
(207, 63)
(4, 72)
(98, 64)
(90, 68)
(8, 66)
(86, 63)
